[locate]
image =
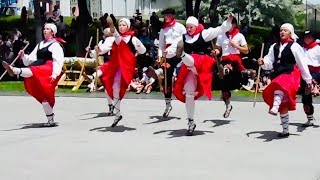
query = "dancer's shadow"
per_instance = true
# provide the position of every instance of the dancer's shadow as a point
(218, 122)
(96, 115)
(301, 127)
(181, 132)
(161, 119)
(268, 135)
(120, 128)
(32, 126)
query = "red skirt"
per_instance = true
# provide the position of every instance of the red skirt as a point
(39, 85)
(289, 84)
(123, 58)
(234, 59)
(203, 64)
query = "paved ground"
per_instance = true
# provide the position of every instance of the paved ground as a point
(146, 147)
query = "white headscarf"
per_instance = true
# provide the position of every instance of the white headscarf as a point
(192, 20)
(52, 26)
(291, 29)
(127, 21)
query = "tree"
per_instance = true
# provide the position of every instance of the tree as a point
(37, 17)
(213, 14)
(196, 8)
(189, 7)
(263, 12)
(82, 27)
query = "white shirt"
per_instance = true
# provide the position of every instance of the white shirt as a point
(57, 56)
(313, 55)
(168, 36)
(223, 42)
(299, 56)
(135, 41)
(105, 47)
(210, 33)
(146, 79)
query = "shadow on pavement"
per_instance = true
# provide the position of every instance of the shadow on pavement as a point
(32, 126)
(218, 122)
(96, 115)
(181, 132)
(269, 135)
(161, 119)
(113, 129)
(301, 127)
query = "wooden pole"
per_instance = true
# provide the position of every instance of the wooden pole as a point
(258, 78)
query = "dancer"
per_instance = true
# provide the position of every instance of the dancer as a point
(43, 70)
(232, 44)
(170, 31)
(286, 58)
(195, 76)
(103, 49)
(117, 74)
(312, 50)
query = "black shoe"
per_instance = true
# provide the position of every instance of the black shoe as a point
(50, 124)
(116, 121)
(308, 124)
(283, 135)
(167, 111)
(191, 127)
(227, 112)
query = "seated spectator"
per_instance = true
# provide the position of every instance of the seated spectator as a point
(150, 80)
(8, 55)
(251, 81)
(266, 80)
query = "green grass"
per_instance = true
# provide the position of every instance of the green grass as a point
(12, 86)
(18, 86)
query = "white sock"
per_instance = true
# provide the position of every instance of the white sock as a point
(98, 73)
(48, 110)
(285, 122)
(116, 102)
(24, 72)
(190, 106)
(168, 103)
(108, 98)
(278, 97)
(116, 93)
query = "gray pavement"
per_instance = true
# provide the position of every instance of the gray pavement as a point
(146, 147)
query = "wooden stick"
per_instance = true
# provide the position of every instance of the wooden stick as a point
(258, 78)
(97, 60)
(85, 57)
(5, 72)
(217, 60)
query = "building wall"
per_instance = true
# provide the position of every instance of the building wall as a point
(128, 7)
(124, 8)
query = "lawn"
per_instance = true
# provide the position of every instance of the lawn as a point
(17, 86)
